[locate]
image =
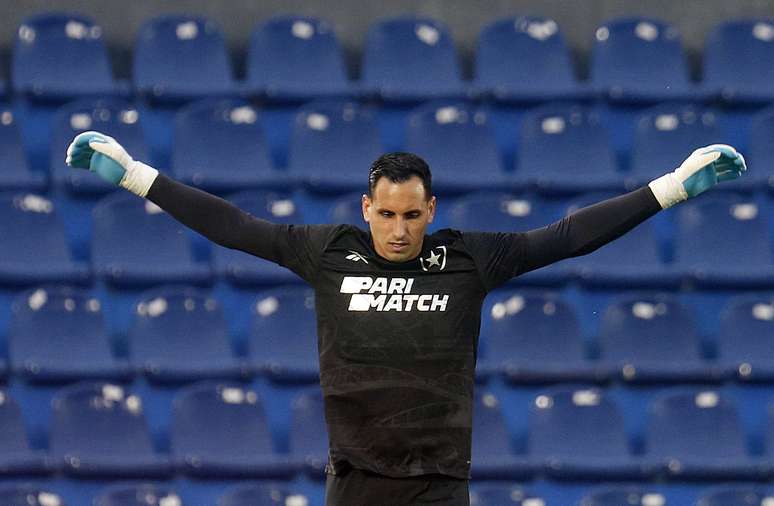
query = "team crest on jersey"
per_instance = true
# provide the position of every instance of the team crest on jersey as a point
(437, 258)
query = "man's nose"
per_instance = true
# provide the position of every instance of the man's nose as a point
(399, 229)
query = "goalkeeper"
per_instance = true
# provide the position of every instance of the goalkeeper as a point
(398, 311)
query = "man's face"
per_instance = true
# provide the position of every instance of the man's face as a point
(398, 214)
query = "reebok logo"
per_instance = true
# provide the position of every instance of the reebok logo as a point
(389, 294)
(356, 257)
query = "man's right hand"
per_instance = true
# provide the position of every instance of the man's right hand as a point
(103, 155)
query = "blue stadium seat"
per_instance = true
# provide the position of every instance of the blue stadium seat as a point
(492, 456)
(179, 334)
(139, 494)
(241, 268)
(664, 136)
(115, 117)
(624, 495)
(504, 495)
(16, 458)
(61, 56)
(308, 433)
(646, 338)
(35, 248)
(745, 347)
(456, 141)
(502, 212)
(565, 148)
(58, 334)
(409, 59)
(15, 172)
(760, 151)
(181, 57)
(533, 338)
(219, 430)
(283, 335)
(333, 144)
(735, 495)
(349, 210)
(723, 240)
(744, 45)
(632, 260)
(98, 429)
(580, 434)
(640, 60)
(296, 58)
(697, 434)
(525, 59)
(219, 145)
(126, 229)
(252, 494)
(26, 494)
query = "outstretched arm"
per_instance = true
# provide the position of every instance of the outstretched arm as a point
(594, 226)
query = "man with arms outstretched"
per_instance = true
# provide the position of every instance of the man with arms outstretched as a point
(398, 311)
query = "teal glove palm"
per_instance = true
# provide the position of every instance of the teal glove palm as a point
(104, 156)
(705, 168)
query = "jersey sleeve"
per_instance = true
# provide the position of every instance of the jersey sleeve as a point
(501, 256)
(297, 247)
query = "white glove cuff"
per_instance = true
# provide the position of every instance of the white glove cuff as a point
(138, 178)
(668, 190)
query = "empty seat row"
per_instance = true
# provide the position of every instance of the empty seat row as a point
(59, 334)
(59, 56)
(708, 232)
(220, 145)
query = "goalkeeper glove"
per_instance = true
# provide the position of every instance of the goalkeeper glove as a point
(100, 153)
(705, 167)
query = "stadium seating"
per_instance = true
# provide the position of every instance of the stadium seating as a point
(35, 248)
(16, 457)
(296, 58)
(745, 45)
(760, 150)
(565, 148)
(739, 495)
(652, 338)
(744, 339)
(58, 334)
(181, 57)
(332, 145)
(632, 260)
(22, 494)
(219, 145)
(308, 433)
(697, 434)
(617, 496)
(492, 456)
(504, 495)
(241, 268)
(99, 430)
(179, 334)
(220, 430)
(348, 210)
(665, 135)
(140, 494)
(60, 56)
(125, 229)
(456, 141)
(580, 434)
(15, 172)
(640, 60)
(410, 58)
(252, 494)
(533, 338)
(282, 338)
(524, 59)
(719, 227)
(115, 117)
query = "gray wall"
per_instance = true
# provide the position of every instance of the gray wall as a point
(577, 18)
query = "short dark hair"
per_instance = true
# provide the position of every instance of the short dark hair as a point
(400, 167)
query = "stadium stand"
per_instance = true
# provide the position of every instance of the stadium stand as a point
(15, 171)
(142, 494)
(16, 457)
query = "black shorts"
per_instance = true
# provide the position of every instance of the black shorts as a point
(356, 487)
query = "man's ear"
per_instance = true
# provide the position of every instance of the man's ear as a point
(365, 204)
(431, 204)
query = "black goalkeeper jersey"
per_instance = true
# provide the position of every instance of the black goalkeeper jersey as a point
(397, 341)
